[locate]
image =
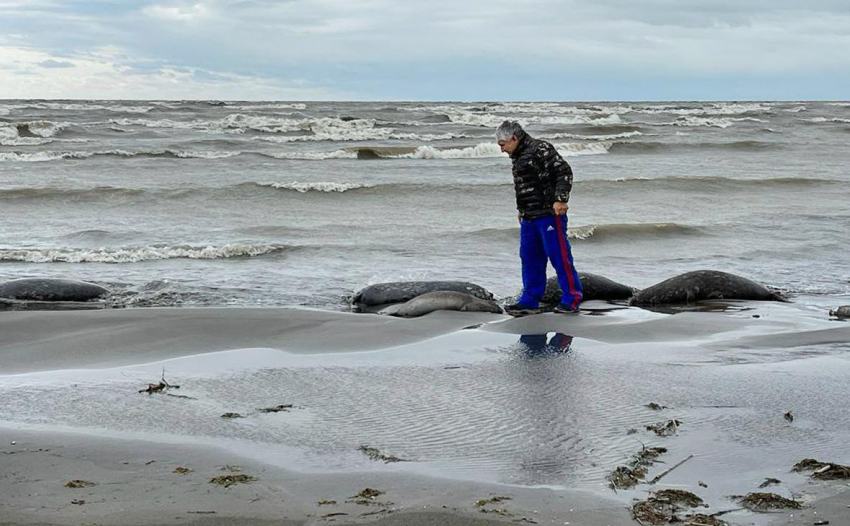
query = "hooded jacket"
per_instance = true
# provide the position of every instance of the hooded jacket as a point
(541, 177)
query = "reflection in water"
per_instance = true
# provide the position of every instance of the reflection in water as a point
(541, 345)
(543, 406)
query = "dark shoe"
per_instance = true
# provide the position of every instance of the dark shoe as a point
(563, 308)
(516, 309)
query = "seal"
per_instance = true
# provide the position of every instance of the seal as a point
(445, 300)
(594, 287)
(841, 312)
(704, 285)
(49, 289)
(375, 297)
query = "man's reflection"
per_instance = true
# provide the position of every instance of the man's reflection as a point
(541, 345)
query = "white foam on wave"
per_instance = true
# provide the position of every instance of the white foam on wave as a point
(136, 254)
(74, 106)
(491, 121)
(234, 123)
(485, 150)
(34, 157)
(479, 151)
(610, 137)
(796, 109)
(323, 186)
(276, 106)
(750, 119)
(695, 122)
(820, 120)
(10, 132)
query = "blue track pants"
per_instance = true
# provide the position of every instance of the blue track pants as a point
(541, 240)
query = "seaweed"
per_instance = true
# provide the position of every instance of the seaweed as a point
(662, 506)
(700, 519)
(665, 429)
(376, 454)
(823, 470)
(492, 500)
(77, 484)
(628, 476)
(230, 480)
(767, 501)
(181, 470)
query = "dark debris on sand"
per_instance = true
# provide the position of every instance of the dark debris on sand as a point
(769, 482)
(656, 407)
(823, 470)
(160, 387)
(375, 454)
(662, 507)
(492, 500)
(665, 429)
(77, 484)
(230, 480)
(628, 476)
(277, 408)
(760, 502)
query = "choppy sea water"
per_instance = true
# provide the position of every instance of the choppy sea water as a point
(269, 203)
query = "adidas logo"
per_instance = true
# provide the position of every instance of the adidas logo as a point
(551, 228)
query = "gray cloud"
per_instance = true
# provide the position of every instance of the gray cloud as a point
(50, 63)
(355, 46)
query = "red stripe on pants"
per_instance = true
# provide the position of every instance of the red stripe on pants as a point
(562, 240)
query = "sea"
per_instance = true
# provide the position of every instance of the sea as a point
(211, 203)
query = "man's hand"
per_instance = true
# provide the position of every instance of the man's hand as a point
(560, 208)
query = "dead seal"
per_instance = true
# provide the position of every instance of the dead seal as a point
(704, 285)
(375, 297)
(49, 289)
(841, 312)
(594, 287)
(445, 300)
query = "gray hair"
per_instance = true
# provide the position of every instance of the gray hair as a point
(508, 129)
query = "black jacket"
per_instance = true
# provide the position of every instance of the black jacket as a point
(541, 177)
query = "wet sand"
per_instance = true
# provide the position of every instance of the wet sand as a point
(482, 404)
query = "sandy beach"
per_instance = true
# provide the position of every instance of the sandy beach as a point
(478, 405)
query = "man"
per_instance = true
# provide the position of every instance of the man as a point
(543, 181)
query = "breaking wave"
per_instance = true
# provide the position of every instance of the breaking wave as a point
(137, 254)
(326, 187)
(695, 122)
(629, 232)
(609, 137)
(29, 133)
(46, 156)
(491, 121)
(820, 120)
(479, 151)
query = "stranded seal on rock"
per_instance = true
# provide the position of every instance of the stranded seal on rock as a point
(51, 290)
(374, 297)
(704, 285)
(445, 300)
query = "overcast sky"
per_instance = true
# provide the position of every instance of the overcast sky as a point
(426, 50)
